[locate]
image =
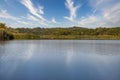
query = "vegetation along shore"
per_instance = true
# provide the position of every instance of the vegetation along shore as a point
(77, 33)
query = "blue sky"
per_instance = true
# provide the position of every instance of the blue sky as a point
(60, 13)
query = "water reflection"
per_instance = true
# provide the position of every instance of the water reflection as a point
(13, 55)
(60, 60)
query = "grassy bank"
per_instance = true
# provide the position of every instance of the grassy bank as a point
(62, 37)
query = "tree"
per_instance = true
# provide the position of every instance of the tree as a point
(2, 25)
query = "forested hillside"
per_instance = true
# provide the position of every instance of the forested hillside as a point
(58, 33)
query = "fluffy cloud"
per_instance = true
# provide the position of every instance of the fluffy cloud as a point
(73, 9)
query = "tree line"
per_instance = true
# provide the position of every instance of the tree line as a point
(58, 33)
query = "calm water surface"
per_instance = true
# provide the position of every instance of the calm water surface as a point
(60, 60)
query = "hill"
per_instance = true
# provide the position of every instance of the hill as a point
(58, 33)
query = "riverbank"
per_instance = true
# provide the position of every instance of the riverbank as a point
(65, 37)
(72, 33)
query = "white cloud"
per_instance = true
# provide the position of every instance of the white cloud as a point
(73, 9)
(53, 20)
(23, 22)
(38, 12)
(31, 17)
(88, 20)
(105, 13)
(91, 21)
(112, 14)
(6, 15)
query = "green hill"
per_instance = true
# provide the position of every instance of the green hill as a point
(58, 33)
